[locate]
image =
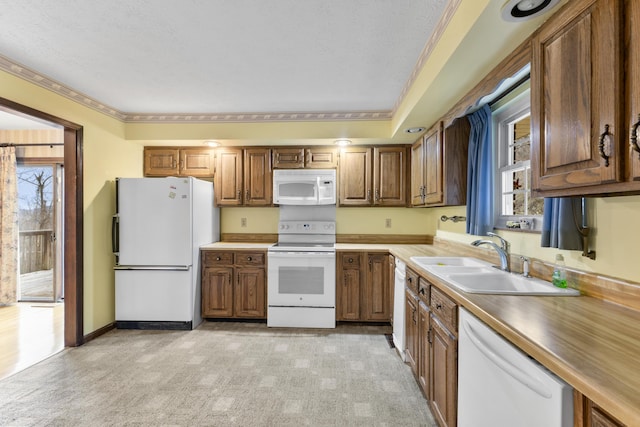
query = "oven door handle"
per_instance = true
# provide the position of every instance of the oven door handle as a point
(285, 254)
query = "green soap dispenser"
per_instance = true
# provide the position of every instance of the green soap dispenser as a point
(559, 277)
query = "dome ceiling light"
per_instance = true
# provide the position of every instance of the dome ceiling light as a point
(521, 10)
(414, 130)
(211, 143)
(342, 142)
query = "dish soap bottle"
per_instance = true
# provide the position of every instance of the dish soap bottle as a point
(559, 277)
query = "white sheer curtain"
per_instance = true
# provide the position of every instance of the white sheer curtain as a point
(8, 226)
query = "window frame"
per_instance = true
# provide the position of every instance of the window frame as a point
(514, 105)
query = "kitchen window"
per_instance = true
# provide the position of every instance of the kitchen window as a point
(515, 207)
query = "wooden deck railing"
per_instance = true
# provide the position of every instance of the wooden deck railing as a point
(35, 250)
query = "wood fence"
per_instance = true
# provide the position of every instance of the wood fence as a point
(35, 250)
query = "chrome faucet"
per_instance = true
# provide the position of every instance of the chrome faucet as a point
(503, 250)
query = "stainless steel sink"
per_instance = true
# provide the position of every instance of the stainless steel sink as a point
(479, 277)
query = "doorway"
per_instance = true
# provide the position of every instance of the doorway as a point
(71, 225)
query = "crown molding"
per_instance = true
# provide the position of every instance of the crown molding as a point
(443, 23)
(25, 73)
(258, 117)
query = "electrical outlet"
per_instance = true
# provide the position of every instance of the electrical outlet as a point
(387, 222)
(243, 222)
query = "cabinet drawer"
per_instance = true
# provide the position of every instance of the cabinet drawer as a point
(423, 290)
(351, 260)
(444, 308)
(213, 258)
(411, 280)
(250, 258)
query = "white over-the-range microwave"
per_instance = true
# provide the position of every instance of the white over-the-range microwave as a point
(304, 186)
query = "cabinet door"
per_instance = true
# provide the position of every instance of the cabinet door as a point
(257, 177)
(390, 176)
(377, 298)
(433, 165)
(417, 173)
(288, 158)
(455, 153)
(321, 158)
(249, 293)
(217, 292)
(411, 330)
(161, 161)
(424, 349)
(349, 286)
(576, 86)
(391, 277)
(228, 177)
(196, 162)
(632, 55)
(355, 176)
(444, 374)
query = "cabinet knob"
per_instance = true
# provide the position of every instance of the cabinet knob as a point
(218, 258)
(249, 258)
(350, 260)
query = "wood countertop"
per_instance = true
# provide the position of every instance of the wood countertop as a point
(592, 344)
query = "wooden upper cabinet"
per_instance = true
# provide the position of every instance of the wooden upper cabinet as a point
(258, 186)
(373, 176)
(390, 176)
(418, 175)
(576, 92)
(288, 158)
(632, 68)
(305, 157)
(160, 161)
(433, 166)
(197, 162)
(228, 177)
(355, 176)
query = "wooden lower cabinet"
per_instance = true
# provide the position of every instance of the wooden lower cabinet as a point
(588, 414)
(411, 330)
(363, 292)
(234, 284)
(444, 374)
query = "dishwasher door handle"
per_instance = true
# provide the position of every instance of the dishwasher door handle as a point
(532, 383)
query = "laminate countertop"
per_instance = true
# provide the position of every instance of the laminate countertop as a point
(593, 345)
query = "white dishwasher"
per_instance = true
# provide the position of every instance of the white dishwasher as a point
(499, 385)
(398, 307)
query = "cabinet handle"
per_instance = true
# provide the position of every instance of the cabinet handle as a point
(377, 194)
(369, 195)
(421, 291)
(439, 306)
(601, 145)
(370, 263)
(174, 164)
(181, 164)
(410, 279)
(247, 197)
(634, 136)
(239, 194)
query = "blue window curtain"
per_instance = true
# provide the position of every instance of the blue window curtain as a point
(560, 226)
(480, 172)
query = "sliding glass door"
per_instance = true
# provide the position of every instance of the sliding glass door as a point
(40, 223)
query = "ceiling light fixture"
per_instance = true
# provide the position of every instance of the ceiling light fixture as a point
(521, 10)
(212, 143)
(342, 142)
(414, 130)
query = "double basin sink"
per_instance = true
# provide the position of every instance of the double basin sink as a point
(479, 277)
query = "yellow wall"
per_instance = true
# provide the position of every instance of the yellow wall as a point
(349, 220)
(615, 238)
(106, 156)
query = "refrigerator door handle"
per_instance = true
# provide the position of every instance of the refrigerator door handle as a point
(115, 231)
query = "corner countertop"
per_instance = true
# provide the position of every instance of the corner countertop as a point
(592, 344)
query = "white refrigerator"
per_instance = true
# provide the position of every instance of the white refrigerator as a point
(158, 228)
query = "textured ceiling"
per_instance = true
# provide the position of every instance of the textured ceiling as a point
(223, 56)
